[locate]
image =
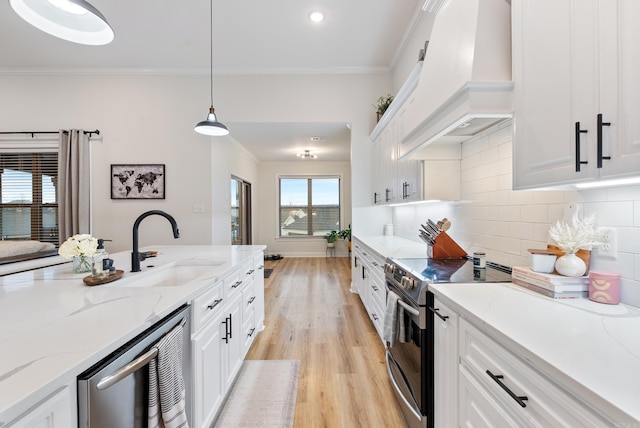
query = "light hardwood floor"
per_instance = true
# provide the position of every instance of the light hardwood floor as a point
(311, 316)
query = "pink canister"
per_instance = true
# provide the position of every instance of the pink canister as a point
(604, 287)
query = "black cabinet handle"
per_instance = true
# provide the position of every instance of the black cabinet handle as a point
(226, 330)
(236, 284)
(578, 160)
(519, 399)
(375, 198)
(386, 195)
(437, 312)
(251, 300)
(251, 332)
(600, 125)
(355, 260)
(363, 273)
(214, 304)
(375, 317)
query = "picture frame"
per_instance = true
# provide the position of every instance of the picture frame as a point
(138, 181)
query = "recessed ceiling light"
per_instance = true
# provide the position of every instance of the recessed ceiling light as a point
(316, 16)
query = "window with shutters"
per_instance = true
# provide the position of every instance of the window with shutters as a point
(28, 200)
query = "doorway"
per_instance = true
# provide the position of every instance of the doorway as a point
(240, 211)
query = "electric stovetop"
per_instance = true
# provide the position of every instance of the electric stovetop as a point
(453, 270)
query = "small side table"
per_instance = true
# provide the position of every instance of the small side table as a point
(331, 249)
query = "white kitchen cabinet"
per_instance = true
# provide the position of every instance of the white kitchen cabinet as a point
(56, 411)
(258, 278)
(445, 360)
(222, 316)
(368, 276)
(576, 94)
(498, 388)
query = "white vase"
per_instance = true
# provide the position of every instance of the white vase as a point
(570, 265)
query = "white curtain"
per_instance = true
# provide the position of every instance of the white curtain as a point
(73, 183)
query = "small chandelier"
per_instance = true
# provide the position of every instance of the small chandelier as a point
(307, 155)
(211, 126)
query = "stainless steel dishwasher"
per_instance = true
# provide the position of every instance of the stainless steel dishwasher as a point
(115, 391)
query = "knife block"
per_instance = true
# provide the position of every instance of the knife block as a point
(447, 248)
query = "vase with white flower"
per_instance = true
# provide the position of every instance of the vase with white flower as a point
(80, 248)
(580, 234)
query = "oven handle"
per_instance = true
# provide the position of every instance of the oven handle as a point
(413, 311)
(397, 388)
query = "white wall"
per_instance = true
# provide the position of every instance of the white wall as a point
(147, 118)
(506, 223)
(268, 222)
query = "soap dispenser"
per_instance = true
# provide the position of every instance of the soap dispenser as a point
(97, 270)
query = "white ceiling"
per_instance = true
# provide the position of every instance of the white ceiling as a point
(250, 37)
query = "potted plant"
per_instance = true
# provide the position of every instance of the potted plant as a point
(331, 237)
(346, 234)
(382, 105)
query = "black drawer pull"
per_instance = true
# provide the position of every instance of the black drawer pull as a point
(251, 300)
(437, 312)
(578, 160)
(599, 142)
(519, 399)
(236, 284)
(375, 317)
(214, 304)
(251, 332)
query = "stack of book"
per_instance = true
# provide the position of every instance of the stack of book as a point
(556, 286)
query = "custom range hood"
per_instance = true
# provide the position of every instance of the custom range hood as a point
(465, 84)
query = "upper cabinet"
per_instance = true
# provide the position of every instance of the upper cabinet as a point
(576, 93)
(394, 180)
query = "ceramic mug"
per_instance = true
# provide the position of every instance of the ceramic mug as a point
(604, 287)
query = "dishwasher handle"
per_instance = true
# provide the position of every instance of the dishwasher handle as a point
(132, 367)
(125, 371)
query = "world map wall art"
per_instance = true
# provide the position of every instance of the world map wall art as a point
(137, 181)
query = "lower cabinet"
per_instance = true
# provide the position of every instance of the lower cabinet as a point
(445, 360)
(368, 277)
(224, 328)
(57, 411)
(479, 382)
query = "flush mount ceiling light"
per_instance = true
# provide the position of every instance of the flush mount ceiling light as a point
(72, 20)
(211, 126)
(307, 155)
(316, 16)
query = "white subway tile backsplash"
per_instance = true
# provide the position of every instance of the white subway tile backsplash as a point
(534, 213)
(611, 213)
(506, 223)
(624, 193)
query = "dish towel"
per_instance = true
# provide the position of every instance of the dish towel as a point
(393, 316)
(166, 383)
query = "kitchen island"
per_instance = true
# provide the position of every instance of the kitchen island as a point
(53, 326)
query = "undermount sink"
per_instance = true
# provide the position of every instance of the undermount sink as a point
(170, 275)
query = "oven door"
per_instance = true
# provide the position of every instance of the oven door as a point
(407, 366)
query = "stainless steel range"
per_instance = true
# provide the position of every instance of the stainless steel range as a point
(410, 360)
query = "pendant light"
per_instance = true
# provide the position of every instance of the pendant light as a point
(211, 126)
(72, 20)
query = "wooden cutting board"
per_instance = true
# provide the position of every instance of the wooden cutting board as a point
(90, 280)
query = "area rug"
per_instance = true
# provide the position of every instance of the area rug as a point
(264, 395)
(267, 273)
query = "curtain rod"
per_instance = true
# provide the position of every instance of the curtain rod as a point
(90, 133)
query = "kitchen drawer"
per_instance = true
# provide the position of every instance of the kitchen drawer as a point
(376, 312)
(546, 405)
(206, 306)
(249, 297)
(233, 282)
(378, 291)
(249, 328)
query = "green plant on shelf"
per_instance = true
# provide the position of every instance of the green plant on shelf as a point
(383, 104)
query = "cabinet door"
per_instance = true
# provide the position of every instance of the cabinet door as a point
(554, 47)
(207, 373)
(55, 412)
(390, 167)
(445, 370)
(619, 68)
(233, 346)
(477, 409)
(377, 182)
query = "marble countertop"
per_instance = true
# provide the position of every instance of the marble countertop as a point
(53, 327)
(394, 246)
(590, 349)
